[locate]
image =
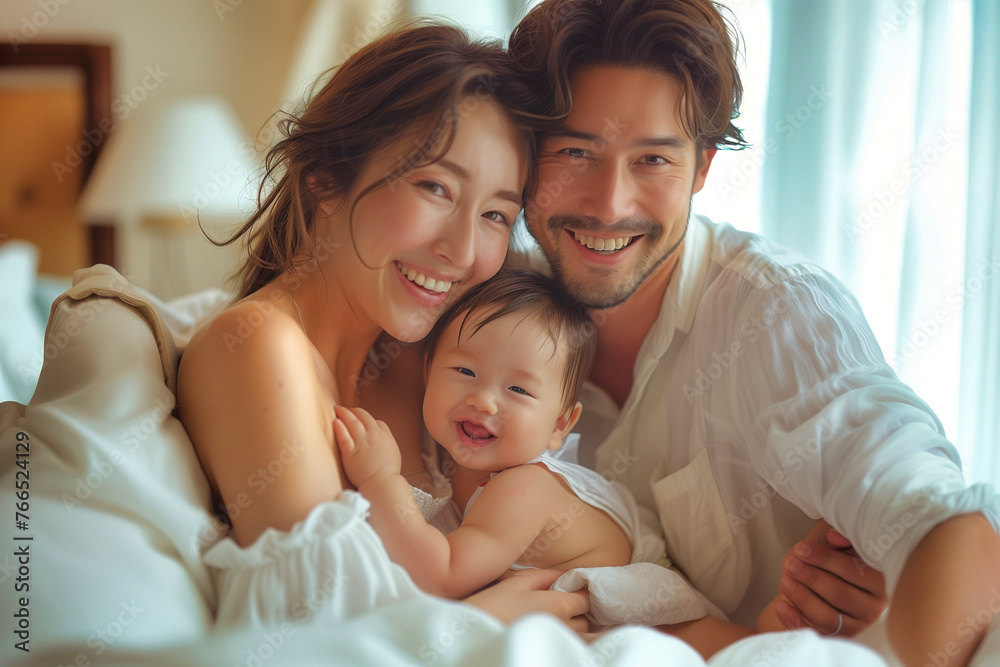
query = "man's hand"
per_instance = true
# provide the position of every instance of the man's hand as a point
(367, 448)
(523, 592)
(826, 585)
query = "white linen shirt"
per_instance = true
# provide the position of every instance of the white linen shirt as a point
(760, 402)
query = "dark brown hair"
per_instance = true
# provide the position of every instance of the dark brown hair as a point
(689, 40)
(411, 81)
(518, 290)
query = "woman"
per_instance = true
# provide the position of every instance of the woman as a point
(395, 189)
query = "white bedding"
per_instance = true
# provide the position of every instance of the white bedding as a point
(120, 517)
(436, 632)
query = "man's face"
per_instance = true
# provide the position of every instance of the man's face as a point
(615, 185)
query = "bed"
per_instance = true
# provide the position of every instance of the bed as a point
(107, 516)
(116, 515)
(106, 565)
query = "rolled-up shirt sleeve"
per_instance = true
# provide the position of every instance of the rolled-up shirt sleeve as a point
(830, 426)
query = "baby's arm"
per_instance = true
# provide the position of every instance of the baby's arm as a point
(508, 516)
(368, 451)
(371, 460)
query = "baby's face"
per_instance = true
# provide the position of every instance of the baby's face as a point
(494, 398)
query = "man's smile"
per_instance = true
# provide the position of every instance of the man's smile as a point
(601, 245)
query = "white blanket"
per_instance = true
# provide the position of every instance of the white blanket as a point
(437, 632)
(119, 515)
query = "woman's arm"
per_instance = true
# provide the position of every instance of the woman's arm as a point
(707, 635)
(253, 406)
(523, 592)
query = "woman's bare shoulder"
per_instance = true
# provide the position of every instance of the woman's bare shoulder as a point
(250, 396)
(249, 324)
(252, 361)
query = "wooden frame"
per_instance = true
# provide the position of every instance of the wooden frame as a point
(94, 62)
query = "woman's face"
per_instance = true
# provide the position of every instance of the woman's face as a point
(429, 232)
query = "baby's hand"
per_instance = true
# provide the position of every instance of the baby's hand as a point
(367, 448)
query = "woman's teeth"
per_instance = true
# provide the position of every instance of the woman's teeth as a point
(429, 284)
(599, 244)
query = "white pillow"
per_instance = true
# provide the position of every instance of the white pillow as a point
(20, 327)
(119, 509)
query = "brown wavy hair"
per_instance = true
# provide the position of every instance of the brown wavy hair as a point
(412, 79)
(689, 40)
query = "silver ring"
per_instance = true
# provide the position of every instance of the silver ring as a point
(840, 624)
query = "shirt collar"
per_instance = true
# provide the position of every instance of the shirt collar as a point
(680, 301)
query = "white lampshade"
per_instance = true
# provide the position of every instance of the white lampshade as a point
(186, 161)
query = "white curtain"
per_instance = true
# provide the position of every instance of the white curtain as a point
(979, 413)
(880, 134)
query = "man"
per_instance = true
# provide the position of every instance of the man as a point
(738, 390)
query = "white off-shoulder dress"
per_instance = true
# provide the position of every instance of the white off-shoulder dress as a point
(332, 565)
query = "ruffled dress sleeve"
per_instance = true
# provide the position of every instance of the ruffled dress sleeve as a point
(331, 566)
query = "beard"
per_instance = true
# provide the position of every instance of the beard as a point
(603, 289)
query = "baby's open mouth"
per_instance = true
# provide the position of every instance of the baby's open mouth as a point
(475, 431)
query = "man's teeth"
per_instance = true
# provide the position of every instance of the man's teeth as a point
(429, 284)
(602, 244)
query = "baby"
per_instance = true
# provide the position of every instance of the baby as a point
(504, 366)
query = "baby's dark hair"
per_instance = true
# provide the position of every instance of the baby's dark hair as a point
(532, 293)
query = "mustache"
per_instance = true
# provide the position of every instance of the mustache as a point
(630, 226)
